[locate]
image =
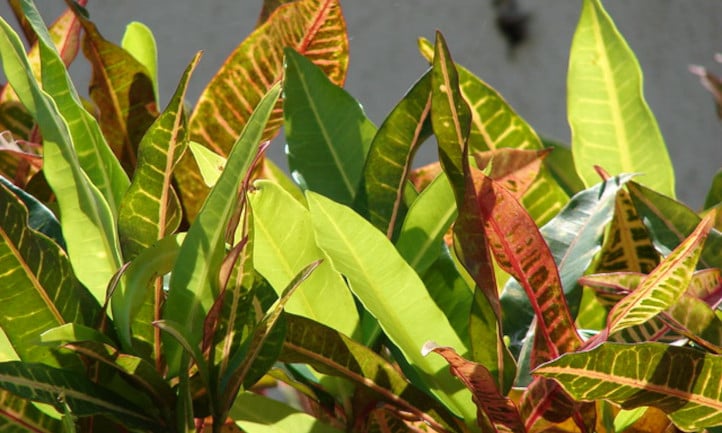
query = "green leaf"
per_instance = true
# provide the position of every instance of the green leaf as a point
(390, 156)
(612, 125)
(45, 384)
(714, 195)
(561, 166)
(39, 290)
(330, 352)
(20, 415)
(138, 40)
(88, 225)
(122, 89)
(391, 291)
(40, 218)
(315, 28)
(664, 286)
(150, 209)
(127, 301)
(94, 156)
(327, 133)
(258, 414)
(574, 237)
(284, 245)
(682, 382)
(427, 221)
(194, 281)
(210, 164)
(625, 418)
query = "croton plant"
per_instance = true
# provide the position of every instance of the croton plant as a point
(159, 274)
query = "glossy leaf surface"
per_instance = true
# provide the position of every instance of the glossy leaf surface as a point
(612, 125)
(391, 291)
(681, 381)
(194, 281)
(150, 209)
(88, 225)
(284, 245)
(314, 28)
(327, 132)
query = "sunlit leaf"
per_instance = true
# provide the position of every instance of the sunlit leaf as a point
(20, 415)
(194, 281)
(150, 209)
(333, 353)
(681, 381)
(500, 410)
(391, 291)
(284, 245)
(612, 125)
(661, 288)
(391, 154)
(40, 218)
(39, 290)
(259, 414)
(327, 132)
(122, 89)
(87, 219)
(138, 40)
(314, 28)
(210, 164)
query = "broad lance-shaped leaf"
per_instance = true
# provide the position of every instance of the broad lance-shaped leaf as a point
(40, 218)
(284, 244)
(150, 209)
(390, 157)
(194, 280)
(94, 156)
(54, 386)
(493, 407)
(331, 352)
(138, 40)
(574, 236)
(122, 89)
(314, 28)
(327, 131)
(391, 291)
(258, 414)
(612, 125)
(88, 225)
(683, 382)
(39, 290)
(670, 222)
(495, 125)
(660, 289)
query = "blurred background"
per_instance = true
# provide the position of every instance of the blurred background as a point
(526, 60)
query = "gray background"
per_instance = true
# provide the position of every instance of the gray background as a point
(666, 35)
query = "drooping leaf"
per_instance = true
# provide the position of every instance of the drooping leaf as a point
(327, 133)
(664, 285)
(138, 40)
(333, 353)
(123, 91)
(314, 28)
(88, 225)
(150, 209)
(391, 291)
(53, 386)
(680, 381)
(39, 290)
(574, 237)
(258, 414)
(670, 222)
(612, 125)
(390, 156)
(491, 404)
(40, 218)
(194, 281)
(20, 415)
(284, 245)
(94, 156)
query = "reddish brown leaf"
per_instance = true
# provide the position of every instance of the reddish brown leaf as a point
(515, 169)
(491, 404)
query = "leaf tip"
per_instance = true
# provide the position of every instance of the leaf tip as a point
(428, 347)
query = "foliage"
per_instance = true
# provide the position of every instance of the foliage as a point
(159, 274)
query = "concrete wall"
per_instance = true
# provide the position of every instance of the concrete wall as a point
(666, 35)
